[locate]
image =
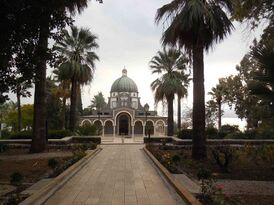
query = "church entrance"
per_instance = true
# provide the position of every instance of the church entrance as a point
(123, 124)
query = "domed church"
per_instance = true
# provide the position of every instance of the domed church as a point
(124, 114)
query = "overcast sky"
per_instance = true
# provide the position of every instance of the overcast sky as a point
(129, 37)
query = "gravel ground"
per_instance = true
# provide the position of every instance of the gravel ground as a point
(44, 155)
(241, 187)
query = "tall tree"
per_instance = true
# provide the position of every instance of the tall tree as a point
(98, 102)
(52, 15)
(263, 84)
(185, 79)
(211, 113)
(78, 62)
(218, 95)
(169, 64)
(20, 88)
(196, 25)
(253, 11)
(63, 92)
(238, 95)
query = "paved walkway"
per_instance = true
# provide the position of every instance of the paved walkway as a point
(122, 140)
(119, 174)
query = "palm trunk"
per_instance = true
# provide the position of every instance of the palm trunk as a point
(219, 115)
(39, 140)
(199, 140)
(63, 117)
(79, 99)
(170, 121)
(179, 114)
(19, 113)
(73, 105)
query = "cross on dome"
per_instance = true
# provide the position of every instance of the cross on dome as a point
(124, 72)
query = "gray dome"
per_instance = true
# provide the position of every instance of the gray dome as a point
(124, 84)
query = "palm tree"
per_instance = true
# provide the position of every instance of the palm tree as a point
(263, 83)
(98, 102)
(185, 81)
(217, 94)
(63, 92)
(170, 64)
(196, 25)
(78, 63)
(52, 14)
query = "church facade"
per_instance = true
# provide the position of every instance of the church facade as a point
(124, 114)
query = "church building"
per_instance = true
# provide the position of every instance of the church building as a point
(124, 114)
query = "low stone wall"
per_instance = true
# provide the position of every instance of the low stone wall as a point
(63, 141)
(178, 141)
(157, 139)
(86, 139)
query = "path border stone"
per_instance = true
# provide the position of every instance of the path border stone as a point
(180, 189)
(41, 196)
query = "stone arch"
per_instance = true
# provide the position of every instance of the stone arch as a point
(160, 127)
(149, 120)
(99, 126)
(149, 127)
(108, 120)
(123, 123)
(143, 124)
(85, 121)
(138, 127)
(98, 121)
(108, 126)
(124, 111)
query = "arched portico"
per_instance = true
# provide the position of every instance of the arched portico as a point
(160, 126)
(138, 128)
(123, 124)
(149, 127)
(86, 122)
(108, 127)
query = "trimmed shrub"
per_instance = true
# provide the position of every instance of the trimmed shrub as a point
(26, 134)
(58, 134)
(265, 132)
(84, 139)
(237, 135)
(53, 163)
(185, 134)
(16, 178)
(228, 129)
(5, 134)
(52, 134)
(3, 147)
(87, 130)
(212, 133)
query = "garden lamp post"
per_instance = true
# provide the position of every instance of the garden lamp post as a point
(146, 108)
(99, 114)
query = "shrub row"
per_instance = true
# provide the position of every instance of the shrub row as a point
(52, 134)
(229, 132)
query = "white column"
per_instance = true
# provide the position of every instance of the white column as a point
(103, 132)
(113, 130)
(132, 131)
(154, 133)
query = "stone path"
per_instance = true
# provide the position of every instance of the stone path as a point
(120, 140)
(119, 174)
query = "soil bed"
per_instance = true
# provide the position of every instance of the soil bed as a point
(245, 165)
(242, 167)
